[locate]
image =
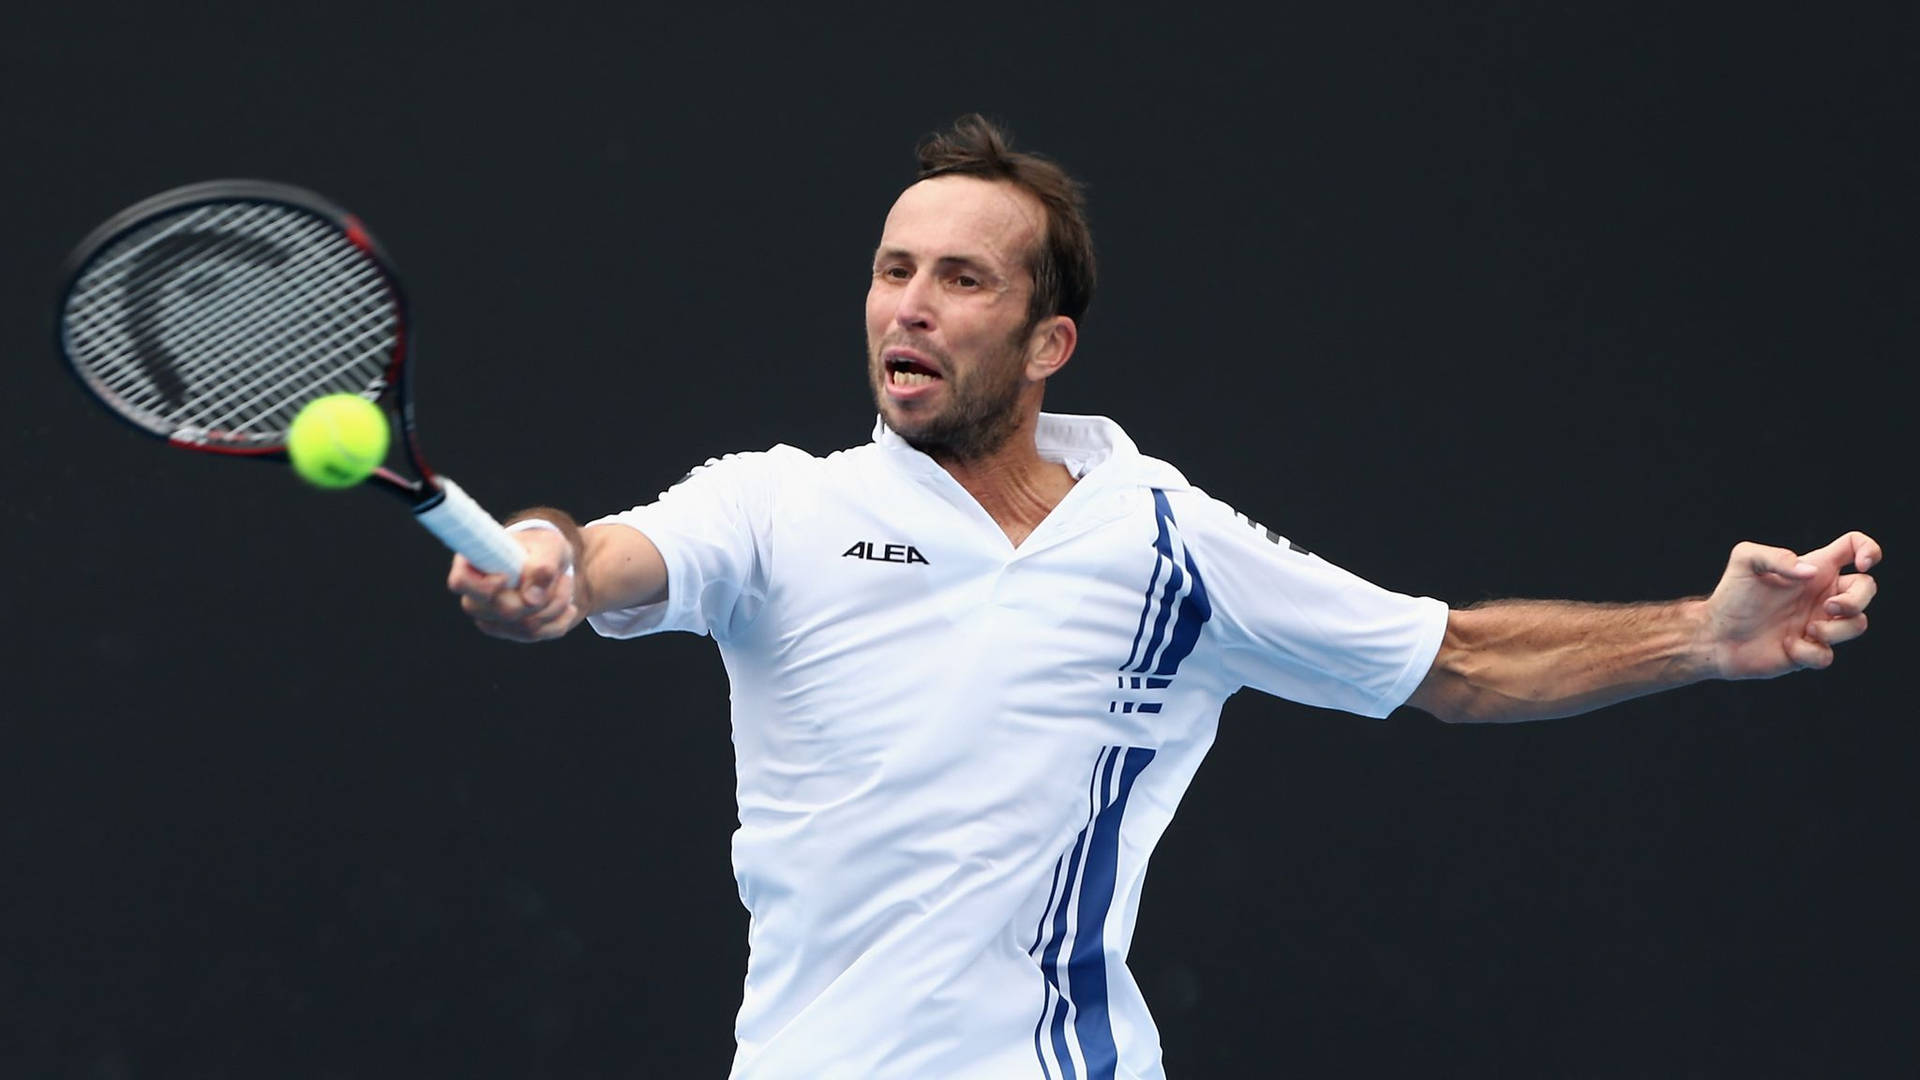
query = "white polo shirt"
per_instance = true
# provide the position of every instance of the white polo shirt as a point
(955, 755)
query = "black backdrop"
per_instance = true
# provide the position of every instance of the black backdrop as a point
(1476, 300)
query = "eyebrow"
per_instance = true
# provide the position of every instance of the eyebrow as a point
(969, 262)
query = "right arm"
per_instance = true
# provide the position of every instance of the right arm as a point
(569, 574)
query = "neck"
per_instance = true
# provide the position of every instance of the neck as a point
(1015, 485)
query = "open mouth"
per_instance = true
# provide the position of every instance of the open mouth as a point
(906, 370)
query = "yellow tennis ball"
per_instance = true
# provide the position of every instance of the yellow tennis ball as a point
(338, 440)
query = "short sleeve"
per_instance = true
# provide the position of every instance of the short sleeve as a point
(713, 529)
(1293, 625)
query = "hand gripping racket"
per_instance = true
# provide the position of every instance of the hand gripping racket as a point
(211, 314)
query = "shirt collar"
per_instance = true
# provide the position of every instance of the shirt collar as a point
(1079, 442)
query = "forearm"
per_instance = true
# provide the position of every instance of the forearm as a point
(1535, 659)
(614, 566)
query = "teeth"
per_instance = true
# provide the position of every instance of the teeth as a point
(909, 378)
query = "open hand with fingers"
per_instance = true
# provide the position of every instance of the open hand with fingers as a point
(1775, 611)
(544, 606)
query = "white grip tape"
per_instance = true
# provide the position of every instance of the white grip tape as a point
(462, 525)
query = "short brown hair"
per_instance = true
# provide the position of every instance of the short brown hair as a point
(1062, 265)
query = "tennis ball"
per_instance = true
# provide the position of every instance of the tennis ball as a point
(338, 440)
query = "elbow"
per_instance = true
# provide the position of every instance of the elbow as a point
(1457, 710)
(1476, 708)
(1448, 692)
(1470, 704)
(1453, 694)
(1467, 683)
(1447, 697)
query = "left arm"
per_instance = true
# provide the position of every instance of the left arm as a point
(1773, 612)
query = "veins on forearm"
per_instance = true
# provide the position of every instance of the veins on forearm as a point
(1533, 659)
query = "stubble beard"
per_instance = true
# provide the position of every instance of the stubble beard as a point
(981, 413)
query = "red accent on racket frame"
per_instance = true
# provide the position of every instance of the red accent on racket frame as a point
(231, 451)
(357, 234)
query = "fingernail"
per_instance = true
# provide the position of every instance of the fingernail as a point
(536, 596)
(1805, 567)
(1833, 609)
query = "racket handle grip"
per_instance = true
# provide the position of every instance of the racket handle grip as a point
(465, 527)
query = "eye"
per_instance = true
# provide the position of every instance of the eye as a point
(894, 273)
(966, 281)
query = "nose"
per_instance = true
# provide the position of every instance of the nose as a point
(915, 309)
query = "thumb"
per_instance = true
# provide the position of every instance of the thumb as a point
(1762, 559)
(536, 579)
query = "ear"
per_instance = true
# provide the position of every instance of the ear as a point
(1050, 346)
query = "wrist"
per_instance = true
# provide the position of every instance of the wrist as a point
(532, 524)
(524, 524)
(1699, 659)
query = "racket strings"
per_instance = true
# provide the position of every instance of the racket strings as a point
(95, 318)
(109, 318)
(224, 329)
(217, 324)
(250, 286)
(258, 324)
(228, 401)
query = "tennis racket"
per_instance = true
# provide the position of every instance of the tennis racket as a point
(209, 315)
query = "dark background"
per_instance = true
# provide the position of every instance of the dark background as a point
(1475, 299)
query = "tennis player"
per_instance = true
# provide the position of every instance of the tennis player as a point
(976, 661)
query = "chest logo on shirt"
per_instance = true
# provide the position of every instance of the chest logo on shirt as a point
(873, 551)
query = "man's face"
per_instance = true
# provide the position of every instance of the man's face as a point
(947, 313)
